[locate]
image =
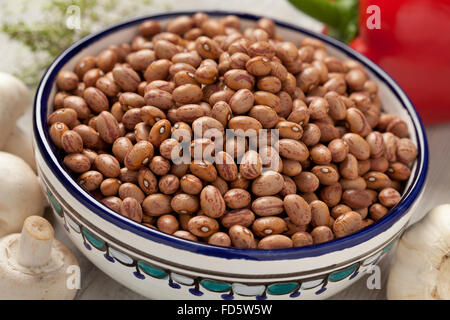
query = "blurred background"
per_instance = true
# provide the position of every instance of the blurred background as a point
(410, 40)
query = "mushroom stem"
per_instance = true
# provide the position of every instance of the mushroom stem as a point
(35, 242)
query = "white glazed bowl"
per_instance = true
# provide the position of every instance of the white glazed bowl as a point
(161, 266)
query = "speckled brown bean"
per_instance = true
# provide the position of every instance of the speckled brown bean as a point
(129, 189)
(203, 170)
(157, 70)
(57, 129)
(337, 109)
(191, 184)
(291, 168)
(241, 101)
(358, 184)
(159, 98)
(206, 74)
(141, 131)
(239, 79)
(63, 115)
(289, 130)
(157, 204)
(127, 175)
(71, 142)
(398, 171)
(251, 165)
(77, 162)
(131, 100)
(110, 187)
(159, 132)
(79, 105)
(259, 66)
(377, 180)
(126, 78)
(377, 211)
(389, 197)
(203, 226)
(190, 112)
(107, 127)
(267, 184)
(107, 165)
(297, 209)
(288, 187)
(311, 134)
(106, 60)
(241, 237)
(376, 144)
(406, 151)
(357, 122)
(346, 224)
(167, 223)
(307, 182)
(276, 241)
(113, 203)
(267, 226)
(267, 206)
(67, 80)
(188, 93)
(357, 199)
(379, 164)
(219, 239)
(320, 213)
(340, 209)
(320, 154)
(349, 167)
(322, 234)
(147, 181)
(357, 146)
(237, 198)
(301, 239)
(242, 217)
(183, 203)
(221, 184)
(327, 175)
(131, 208)
(332, 194)
(85, 64)
(159, 165)
(339, 150)
(307, 78)
(169, 184)
(391, 143)
(120, 148)
(89, 136)
(149, 28)
(139, 155)
(293, 149)
(207, 48)
(212, 202)
(90, 180)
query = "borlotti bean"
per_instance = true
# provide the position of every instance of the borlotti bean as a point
(231, 137)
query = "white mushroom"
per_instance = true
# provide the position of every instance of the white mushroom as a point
(422, 266)
(14, 100)
(21, 195)
(20, 144)
(34, 265)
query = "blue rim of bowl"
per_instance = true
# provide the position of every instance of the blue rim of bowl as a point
(48, 153)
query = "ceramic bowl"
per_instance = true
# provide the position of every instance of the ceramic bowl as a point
(161, 266)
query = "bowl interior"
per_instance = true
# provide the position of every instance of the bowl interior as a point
(392, 97)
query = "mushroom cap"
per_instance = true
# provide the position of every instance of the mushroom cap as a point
(46, 283)
(14, 100)
(21, 194)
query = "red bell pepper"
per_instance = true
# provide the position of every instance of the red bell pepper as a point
(412, 44)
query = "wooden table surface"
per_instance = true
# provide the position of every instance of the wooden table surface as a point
(96, 285)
